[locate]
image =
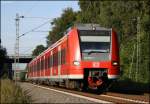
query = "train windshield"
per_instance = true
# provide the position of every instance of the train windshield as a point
(95, 45)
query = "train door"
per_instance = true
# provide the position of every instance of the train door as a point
(59, 61)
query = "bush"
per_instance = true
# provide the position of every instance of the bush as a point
(12, 93)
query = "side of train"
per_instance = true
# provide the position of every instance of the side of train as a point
(87, 56)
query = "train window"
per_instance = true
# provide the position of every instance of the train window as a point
(63, 56)
(32, 66)
(95, 45)
(55, 59)
(37, 65)
(41, 64)
(59, 58)
(95, 33)
(45, 62)
(29, 68)
(51, 61)
(48, 60)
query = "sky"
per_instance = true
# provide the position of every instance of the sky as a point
(45, 10)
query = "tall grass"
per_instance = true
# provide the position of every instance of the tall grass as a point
(12, 93)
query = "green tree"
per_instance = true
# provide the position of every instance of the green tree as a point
(122, 16)
(38, 50)
(60, 25)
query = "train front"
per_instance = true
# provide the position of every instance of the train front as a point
(99, 55)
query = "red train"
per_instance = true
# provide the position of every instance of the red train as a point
(87, 56)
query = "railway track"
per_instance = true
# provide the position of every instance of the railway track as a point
(109, 97)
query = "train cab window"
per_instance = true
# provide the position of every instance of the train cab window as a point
(95, 45)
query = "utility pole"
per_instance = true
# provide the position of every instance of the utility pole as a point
(130, 71)
(138, 48)
(16, 59)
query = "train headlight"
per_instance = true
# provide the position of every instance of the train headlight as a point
(115, 63)
(94, 28)
(77, 63)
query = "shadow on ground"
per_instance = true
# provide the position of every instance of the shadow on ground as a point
(129, 87)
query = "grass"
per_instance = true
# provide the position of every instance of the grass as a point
(12, 93)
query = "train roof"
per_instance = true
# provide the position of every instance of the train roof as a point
(79, 26)
(90, 26)
(49, 48)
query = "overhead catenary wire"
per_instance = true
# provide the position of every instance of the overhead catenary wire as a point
(32, 30)
(36, 17)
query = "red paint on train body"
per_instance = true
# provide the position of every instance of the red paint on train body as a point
(70, 56)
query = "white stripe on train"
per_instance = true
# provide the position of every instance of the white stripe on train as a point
(79, 76)
(61, 76)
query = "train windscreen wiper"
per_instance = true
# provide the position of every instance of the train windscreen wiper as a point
(95, 51)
